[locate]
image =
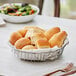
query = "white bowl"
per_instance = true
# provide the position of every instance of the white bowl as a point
(19, 19)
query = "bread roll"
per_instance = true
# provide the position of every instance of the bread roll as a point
(14, 37)
(37, 36)
(30, 32)
(34, 27)
(49, 33)
(22, 32)
(42, 43)
(19, 44)
(58, 39)
(29, 47)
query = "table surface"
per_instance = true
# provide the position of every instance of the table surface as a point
(12, 66)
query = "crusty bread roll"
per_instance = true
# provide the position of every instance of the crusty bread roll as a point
(30, 32)
(49, 33)
(14, 37)
(42, 43)
(19, 44)
(29, 47)
(58, 39)
(37, 36)
(34, 27)
(22, 32)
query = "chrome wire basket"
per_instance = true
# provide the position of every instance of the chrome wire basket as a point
(39, 54)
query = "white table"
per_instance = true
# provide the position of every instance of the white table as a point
(12, 66)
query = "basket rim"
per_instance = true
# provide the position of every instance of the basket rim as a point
(40, 50)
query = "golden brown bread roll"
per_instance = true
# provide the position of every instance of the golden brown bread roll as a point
(58, 39)
(42, 43)
(30, 32)
(49, 33)
(22, 32)
(14, 37)
(37, 36)
(34, 27)
(29, 47)
(19, 44)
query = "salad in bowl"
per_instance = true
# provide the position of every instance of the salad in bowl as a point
(18, 12)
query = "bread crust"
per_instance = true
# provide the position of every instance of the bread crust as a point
(58, 39)
(42, 43)
(22, 32)
(37, 36)
(34, 27)
(19, 44)
(49, 33)
(14, 37)
(29, 47)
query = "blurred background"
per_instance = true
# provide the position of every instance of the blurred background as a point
(67, 7)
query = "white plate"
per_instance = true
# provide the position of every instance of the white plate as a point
(19, 19)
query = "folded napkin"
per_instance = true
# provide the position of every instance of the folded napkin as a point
(2, 23)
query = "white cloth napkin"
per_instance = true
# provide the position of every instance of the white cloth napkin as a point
(2, 23)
